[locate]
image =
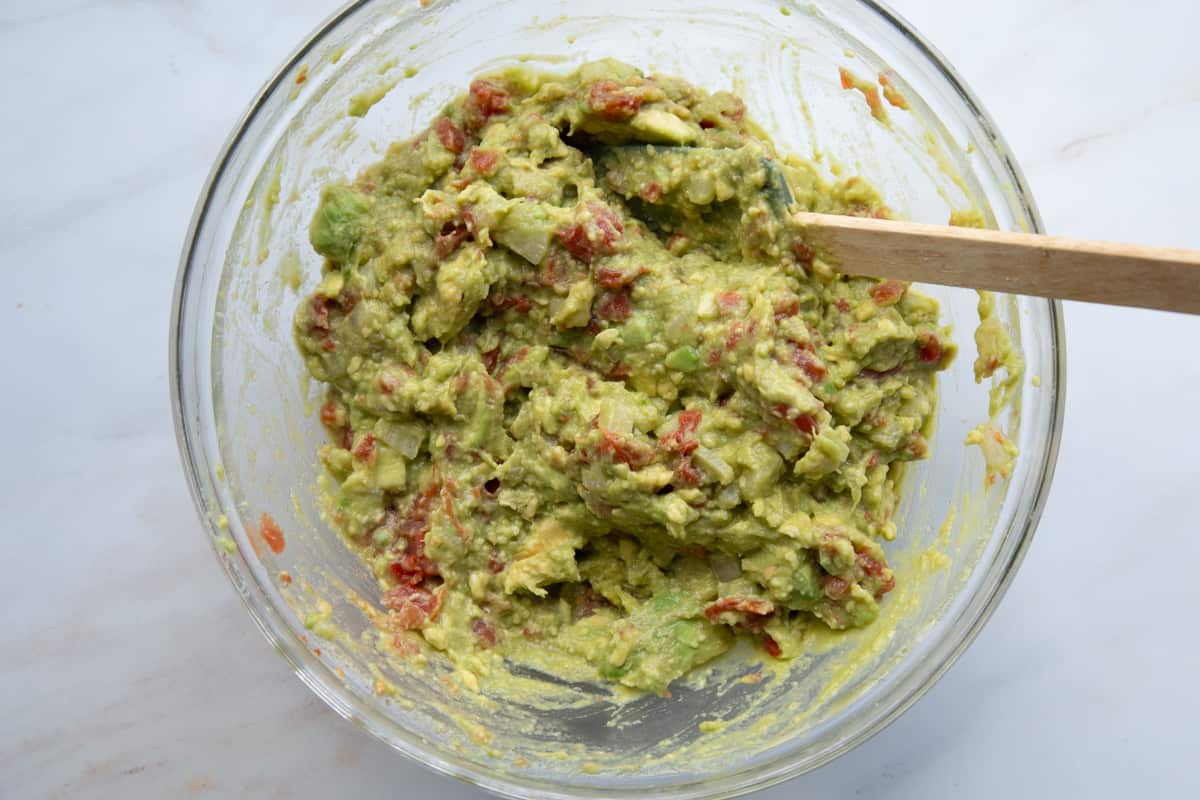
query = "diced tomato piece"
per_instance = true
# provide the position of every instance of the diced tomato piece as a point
(869, 565)
(689, 421)
(388, 382)
(624, 451)
(520, 302)
(809, 364)
(347, 437)
(411, 606)
(320, 311)
(348, 299)
(365, 449)
(272, 534)
(803, 253)
(786, 307)
(575, 239)
(771, 646)
(557, 273)
(449, 134)
(598, 234)
(652, 192)
(732, 339)
(400, 567)
(607, 224)
(485, 99)
(614, 307)
(803, 422)
(835, 588)
(449, 240)
(806, 423)
(729, 302)
(490, 359)
(741, 605)
(483, 161)
(490, 97)
(484, 632)
(682, 439)
(686, 472)
(495, 564)
(613, 101)
(329, 414)
(412, 567)
(929, 348)
(843, 305)
(887, 293)
(610, 278)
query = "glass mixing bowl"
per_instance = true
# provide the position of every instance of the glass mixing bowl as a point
(244, 411)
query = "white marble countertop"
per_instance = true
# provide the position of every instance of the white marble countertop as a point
(131, 670)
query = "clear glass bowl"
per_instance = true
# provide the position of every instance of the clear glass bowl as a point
(248, 435)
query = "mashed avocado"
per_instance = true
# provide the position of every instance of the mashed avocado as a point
(590, 390)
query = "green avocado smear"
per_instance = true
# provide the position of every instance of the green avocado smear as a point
(589, 390)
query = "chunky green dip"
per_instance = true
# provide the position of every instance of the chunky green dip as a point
(590, 390)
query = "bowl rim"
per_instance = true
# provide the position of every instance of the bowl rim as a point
(270, 621)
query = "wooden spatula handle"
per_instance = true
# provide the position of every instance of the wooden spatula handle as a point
(1019, 263)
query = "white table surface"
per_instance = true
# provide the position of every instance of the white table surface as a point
(129, 668)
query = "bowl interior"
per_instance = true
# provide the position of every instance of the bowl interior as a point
(249, 432)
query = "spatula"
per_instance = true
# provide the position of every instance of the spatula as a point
(1163, 278)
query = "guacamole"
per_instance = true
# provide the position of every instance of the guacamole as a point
(590, 390)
